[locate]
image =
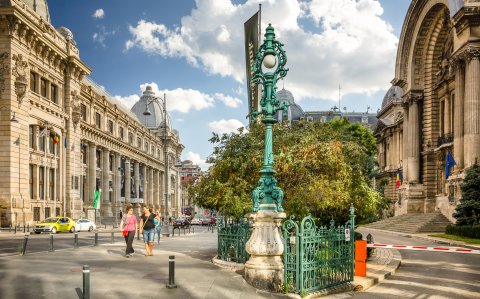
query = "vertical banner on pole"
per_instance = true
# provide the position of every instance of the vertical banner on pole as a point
(251, 48)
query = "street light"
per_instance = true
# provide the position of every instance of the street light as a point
(265, 246)
(149, 97)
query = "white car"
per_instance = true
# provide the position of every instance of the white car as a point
(195, 221)
(85, 225)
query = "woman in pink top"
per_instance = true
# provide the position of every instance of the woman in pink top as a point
(129, 223)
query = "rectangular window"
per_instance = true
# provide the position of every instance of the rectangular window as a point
(51, 183)
(147, 148)
(98, 120)
(110, 163)
(57, 212)
(43, 87)
(33, 82)
(83, 112)
(98, 154)
(47, 212)
(51, 145)
(54, 93)
(120, 132)
(41, 139)
(139, 142)
(41, 182)
(30, 180)
(110, 126)
(30, 136)
(36, 213)
(452, 113)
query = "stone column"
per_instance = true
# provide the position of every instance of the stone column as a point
(35, 182)
(156, 188)
(150, 187)
(145, 185)
(458, 115)
(414, 140)
(472, 107)
(128, 183)
(117, 186)
(406, 139)
(92, 172)
(106, 206)
(136, 177)
(35, 137)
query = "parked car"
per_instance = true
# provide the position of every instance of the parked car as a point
(85, 225)
(55, 225)
(212, 221)
(180, 222)
(204, 221)
(195, 221)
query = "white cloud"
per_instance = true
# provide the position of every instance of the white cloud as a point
(196, 159)
(337, 46)
(228, 100)
(225, 126)
(99, 13)
(102, 35)
(181, 100)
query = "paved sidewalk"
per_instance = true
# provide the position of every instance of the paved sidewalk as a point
(59, 274)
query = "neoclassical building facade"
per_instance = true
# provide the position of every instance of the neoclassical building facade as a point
(63, 137)
(433, 107)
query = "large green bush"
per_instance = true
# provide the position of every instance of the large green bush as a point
(468, 210)
(464, 231)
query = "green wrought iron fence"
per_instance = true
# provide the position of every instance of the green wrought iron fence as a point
(317, 258)
(232, 240)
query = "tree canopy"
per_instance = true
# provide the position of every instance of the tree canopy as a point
(322, 169)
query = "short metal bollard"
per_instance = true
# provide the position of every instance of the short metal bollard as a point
(96, 239)
(25, 240)
(171, 272)
(112, 237)
(51, 243)
(138, 234)
(75, 240)
(15, 229)
(86, 282)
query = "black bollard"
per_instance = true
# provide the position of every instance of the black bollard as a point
(75, 240)
(171, 272)
(96, 239)
(28, 227)
(86, 282)
(51, 243)
(138, 234)
(25, 240)
(15, 229)
(24, 228)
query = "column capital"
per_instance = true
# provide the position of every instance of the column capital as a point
(470, 53)
(413, 96)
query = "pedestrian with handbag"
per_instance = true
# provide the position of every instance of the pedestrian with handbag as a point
(129, 225)
(147, 227)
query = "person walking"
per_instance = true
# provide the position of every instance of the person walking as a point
(158, 226)
(129, 224)
(147, 227)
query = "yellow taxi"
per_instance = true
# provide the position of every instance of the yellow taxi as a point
(55, 225)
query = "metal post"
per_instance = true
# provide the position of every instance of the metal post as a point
(86, 282)
(75, 242)
(171, 272)
(51, 242)
(138, 234)
(112, 237)
(96, 238)
(15, 228)
(25, 240)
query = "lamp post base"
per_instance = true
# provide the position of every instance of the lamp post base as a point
(264, 269)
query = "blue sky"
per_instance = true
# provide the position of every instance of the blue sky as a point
(193, 51)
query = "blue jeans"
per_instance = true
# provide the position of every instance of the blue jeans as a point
(148, 235)
(158, 230)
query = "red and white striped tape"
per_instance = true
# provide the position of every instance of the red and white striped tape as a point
(425, 248)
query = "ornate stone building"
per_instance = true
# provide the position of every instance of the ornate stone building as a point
(63, 137)
(433, 106)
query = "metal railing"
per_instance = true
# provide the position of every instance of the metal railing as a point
(232, 240)
(317, 258)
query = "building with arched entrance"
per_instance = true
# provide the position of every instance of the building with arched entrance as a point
(432, 110)
(63, 137)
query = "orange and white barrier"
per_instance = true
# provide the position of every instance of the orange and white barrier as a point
(425, 248)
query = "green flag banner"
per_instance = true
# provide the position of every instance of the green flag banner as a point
(96, 199)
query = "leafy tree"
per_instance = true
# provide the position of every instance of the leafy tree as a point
(322, 169)
(468, 210)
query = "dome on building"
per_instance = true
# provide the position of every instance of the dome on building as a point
(157, 117)
(66, 33)
(40, 7)
(394, 94)
(295, 112)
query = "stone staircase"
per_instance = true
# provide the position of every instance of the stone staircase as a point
(413, 223)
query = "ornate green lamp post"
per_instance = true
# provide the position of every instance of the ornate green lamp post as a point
(264, 269)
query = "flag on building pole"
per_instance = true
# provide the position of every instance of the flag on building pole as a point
(252, 29)
(449, 163)
(96, 199)
(399, 179)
